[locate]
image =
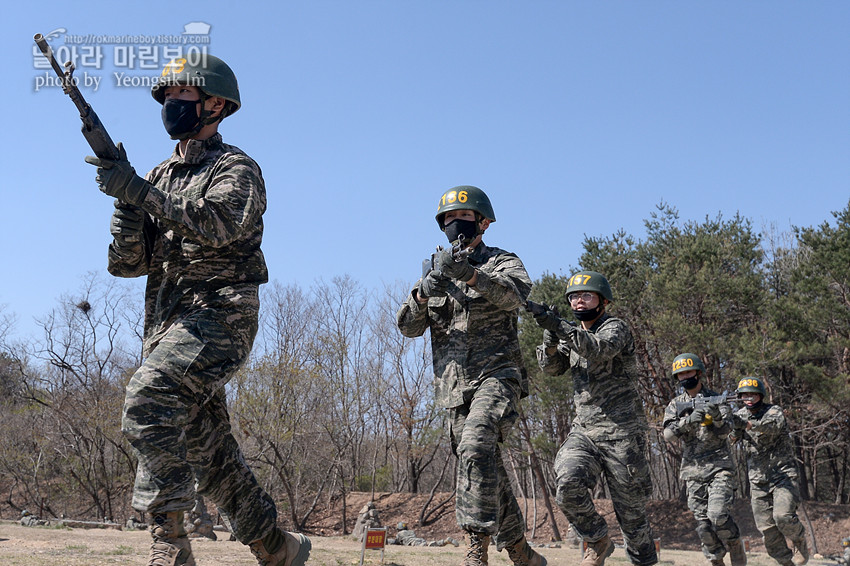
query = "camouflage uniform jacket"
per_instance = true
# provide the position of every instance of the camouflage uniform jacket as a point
(705, 450)
(604, 370)
(770, 451)
(473, 329)
(202, 235)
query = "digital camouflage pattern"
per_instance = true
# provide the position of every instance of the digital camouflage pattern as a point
(604, 370)
(463, 354)
(201, 254)
(608, 433)
(705, 450)
(479, 376)
(709, 472)
(485, 502)
(203, 231)
(772, 470)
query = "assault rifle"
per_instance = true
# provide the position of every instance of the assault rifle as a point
(701, 402)
(93, 129)
(459, 253)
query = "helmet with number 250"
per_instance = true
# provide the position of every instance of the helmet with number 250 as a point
(589, 281)
(687, 362)
(465, 197)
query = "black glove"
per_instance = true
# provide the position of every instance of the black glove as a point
(435, 284)
(127, 224)
(697, 416)
(550, 339)
(460, 270)
(548, 320)
(119, 179)
(713, 411)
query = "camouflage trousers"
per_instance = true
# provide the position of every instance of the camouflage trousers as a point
(775, 512)
(710, 500)
(485, 502)
(580, 463)
(175, 417)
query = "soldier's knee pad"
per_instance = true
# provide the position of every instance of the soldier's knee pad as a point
(726, 528)
(705, 531)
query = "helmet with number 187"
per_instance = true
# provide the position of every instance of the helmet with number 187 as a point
(465, 197)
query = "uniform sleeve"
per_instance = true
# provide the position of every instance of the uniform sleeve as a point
(507, 285)
(232, 205)
(673, 424)
(557, 363)
(772, 429)
(412, 318)
(130, 260)
(604, 344)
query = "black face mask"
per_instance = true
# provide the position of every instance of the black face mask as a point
(180, 118)
(466, 228)
(589, 314)
(689, 383)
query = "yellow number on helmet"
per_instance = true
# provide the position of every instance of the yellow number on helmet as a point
(462, 196)
(174, 66)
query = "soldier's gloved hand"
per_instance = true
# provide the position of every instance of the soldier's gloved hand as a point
(435, 284)
(117, 178)
(697, 416)
(535, 309)
(713, 411)
(548, 320)
(460, 270)
(126, 224)
(550, 339)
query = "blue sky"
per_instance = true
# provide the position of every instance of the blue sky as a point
(577, 118)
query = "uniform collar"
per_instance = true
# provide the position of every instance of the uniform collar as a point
(196, 150)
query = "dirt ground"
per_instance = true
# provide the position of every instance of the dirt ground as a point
(42, 546)
(672, 523)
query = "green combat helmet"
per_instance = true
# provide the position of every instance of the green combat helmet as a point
(208, 73)
(589, 281)
(465, 197)
(687, 362)
(752, 385)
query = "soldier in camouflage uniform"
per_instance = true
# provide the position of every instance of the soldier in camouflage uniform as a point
(772, 469)
(707, 465)
(846, 544)
(194, 226)
(471, 305)
(608, 434)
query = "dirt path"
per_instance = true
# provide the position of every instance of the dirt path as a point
(43, 546)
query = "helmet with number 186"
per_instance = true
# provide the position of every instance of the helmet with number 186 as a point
(752, 385)
(464, 197)
(589, 281)
(687, 362)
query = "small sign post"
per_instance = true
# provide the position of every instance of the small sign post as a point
(374, 539)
